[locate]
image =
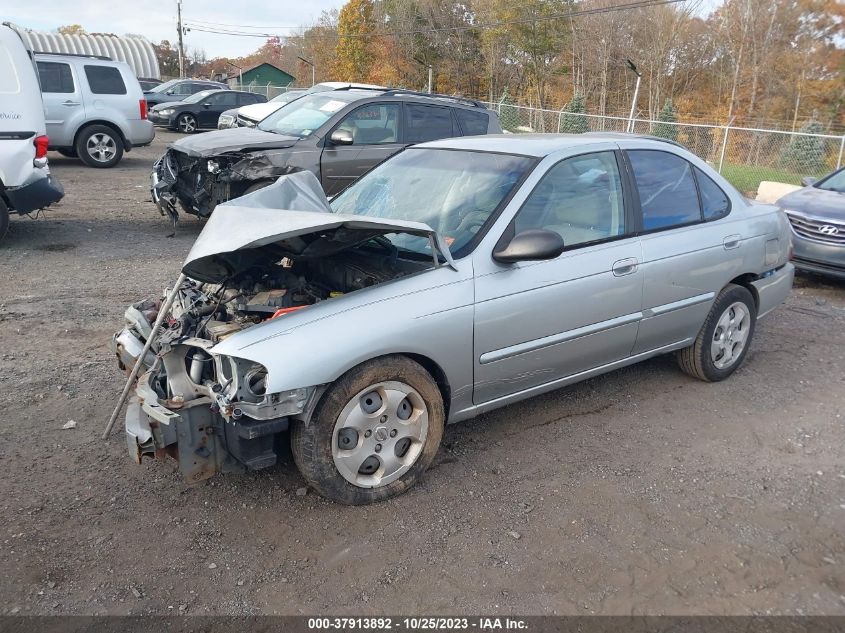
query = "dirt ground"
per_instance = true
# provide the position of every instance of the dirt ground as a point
(642, 491)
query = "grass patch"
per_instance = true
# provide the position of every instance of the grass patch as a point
(747, 178)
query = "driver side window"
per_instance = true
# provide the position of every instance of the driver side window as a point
(580, 198)
(373, 124)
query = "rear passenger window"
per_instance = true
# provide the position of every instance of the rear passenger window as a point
(472, 123)
(105, 80)
(55, 77)
(668, 196)
(714, 202)
(427, 123)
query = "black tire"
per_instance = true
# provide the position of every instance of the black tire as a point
(68, 151)
(187, 123)
(99, 146)
(697, 359)
(311, 444)
(4, 219)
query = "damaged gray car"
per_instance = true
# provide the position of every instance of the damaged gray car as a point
(455, 278)
(337, 135)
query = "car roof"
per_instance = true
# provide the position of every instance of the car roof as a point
(538, 145)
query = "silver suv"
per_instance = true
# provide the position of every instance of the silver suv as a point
(95, 107)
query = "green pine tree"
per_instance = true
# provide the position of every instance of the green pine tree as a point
(805, 154)
(508, 113)
(574, 121)
(667, 117)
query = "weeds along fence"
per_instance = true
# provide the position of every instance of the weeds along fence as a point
(744, 156)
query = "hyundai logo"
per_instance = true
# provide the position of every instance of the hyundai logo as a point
(828, 229)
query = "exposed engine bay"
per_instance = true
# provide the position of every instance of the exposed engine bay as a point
(227, 420)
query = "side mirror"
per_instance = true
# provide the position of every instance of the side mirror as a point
(206, 105)
(808, 181)
(341, 137)
(169, 92)
(530, 245)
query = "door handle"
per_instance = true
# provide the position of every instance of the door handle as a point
(732, 241)
(70, 103)
(624, 267)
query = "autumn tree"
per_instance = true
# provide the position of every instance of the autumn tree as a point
(354, 28)
(71, 29)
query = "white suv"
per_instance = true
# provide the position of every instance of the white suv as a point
(26, 184)
(95, 107)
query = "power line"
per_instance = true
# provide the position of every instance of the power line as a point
(640, 4)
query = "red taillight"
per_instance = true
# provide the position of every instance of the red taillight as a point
(142, 104)
(41, 143)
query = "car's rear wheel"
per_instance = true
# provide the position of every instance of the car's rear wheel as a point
(4, 218)
(186, 123)
(99, 146)
(373, 434)
(724, 339)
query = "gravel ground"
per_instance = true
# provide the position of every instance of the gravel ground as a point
(642, 491)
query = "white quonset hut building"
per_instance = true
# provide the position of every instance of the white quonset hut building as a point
(138, 52)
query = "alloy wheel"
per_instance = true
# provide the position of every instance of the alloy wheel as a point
(101, 147)
(187, 123)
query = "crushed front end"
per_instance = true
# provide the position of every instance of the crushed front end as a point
(210, 412)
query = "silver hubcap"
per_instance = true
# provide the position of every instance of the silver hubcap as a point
(380, 434)
(101, 147)
(187, 124)
(731, 335)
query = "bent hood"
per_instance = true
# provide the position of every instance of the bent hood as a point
(232, 140)
(290, 218)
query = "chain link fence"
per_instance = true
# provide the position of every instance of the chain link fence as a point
(744, 156)
(270, 91)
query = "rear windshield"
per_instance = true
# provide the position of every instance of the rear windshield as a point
(105, 80)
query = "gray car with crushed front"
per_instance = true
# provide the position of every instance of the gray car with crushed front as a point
(337, 135)
(457, 277)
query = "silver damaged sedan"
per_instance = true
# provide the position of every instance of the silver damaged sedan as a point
(459, 276)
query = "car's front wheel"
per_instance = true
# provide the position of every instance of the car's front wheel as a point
(186, 123)
(99, 146)
(724, 339)
(373, 434)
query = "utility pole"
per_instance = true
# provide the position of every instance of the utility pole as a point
(429, 78)
(181, 44)
(313, 68)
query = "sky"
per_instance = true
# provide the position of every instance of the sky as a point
(156, 19)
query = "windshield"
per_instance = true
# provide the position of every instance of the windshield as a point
(454, 192)
(836, 182)
(287, 97)
(199, 96)
(302, 116)
(165, 86)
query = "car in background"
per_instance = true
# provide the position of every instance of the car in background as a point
(817, 216)
(148, 84)
(337, 135)
(249, 116)
(201, 110)
(455, 278)
(95, 108)
(26, 183)
(179, 89)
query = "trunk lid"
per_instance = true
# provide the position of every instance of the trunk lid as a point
(291, 218)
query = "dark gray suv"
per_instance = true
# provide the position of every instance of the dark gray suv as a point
(337, 135)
